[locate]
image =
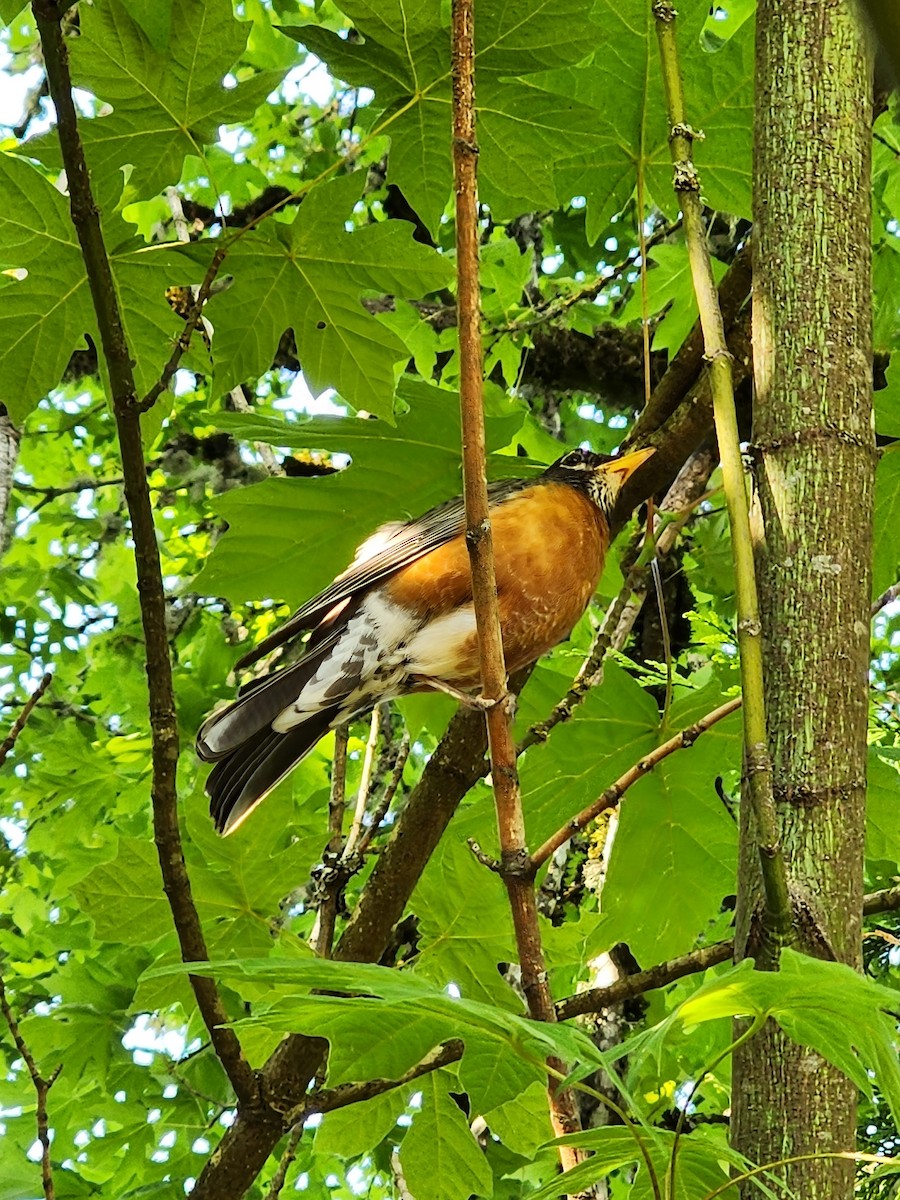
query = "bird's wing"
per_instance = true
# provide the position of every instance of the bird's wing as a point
(389, 548)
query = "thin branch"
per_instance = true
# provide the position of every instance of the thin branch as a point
(558, 306)
(69, 489)
(686, 368)
(479, 539)
(183, 342)
(596, 999)
(290, 1153)
(42, 1086)
(614, 793)
(322, 937)
(777, 924)
(362, 794)
(886, 598)
(163, 721)
(887, 900)
(345, 1094)
(589, 672)
(19, 723)
(381, 808)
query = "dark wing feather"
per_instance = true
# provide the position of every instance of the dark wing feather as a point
(404, 545)
(239, 782)
(259, 702)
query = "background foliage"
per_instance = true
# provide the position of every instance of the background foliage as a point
(338, 305)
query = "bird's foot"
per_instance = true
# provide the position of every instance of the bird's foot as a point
(508, 702)
(482, 703)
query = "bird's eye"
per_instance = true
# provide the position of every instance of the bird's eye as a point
(576, 459)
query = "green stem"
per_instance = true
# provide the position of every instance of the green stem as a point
(757, 763)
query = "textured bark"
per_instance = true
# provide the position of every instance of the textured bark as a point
(815, 457)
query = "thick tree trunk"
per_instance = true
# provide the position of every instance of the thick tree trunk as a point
(815, 458)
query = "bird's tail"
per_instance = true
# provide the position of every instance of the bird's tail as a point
(250, 756)
(246, 775)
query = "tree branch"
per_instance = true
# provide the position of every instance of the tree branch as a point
(479, 538)
(42, 1086)
(345, 1094)
(684, 369)
(777, 923)
(886, 598)
(19, 724)
(887, 900)
(596, 999)
(455, 766)
(322, 937)
(163, 722)
(614, 793)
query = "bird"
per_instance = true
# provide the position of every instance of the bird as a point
(400, 619)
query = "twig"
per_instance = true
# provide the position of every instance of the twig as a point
(776, 920)
(183, 342)
(596, 999)
(322, 936)
(290, 1153)
(19, 724)
(886, 598)
(362, 794)
(163, 722)
(479, 538)
(588, 672)
(31, 108)
(559, 305)
(77, 486)
(381, 808)
(485, 859)
(686, 368)
(614, 793)
(345, 1094)
(42, 1086)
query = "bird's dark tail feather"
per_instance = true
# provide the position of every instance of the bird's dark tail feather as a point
(245, 776)
(258, 704)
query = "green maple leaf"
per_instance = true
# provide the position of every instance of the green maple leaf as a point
(623, 89)
(46, 315)
(167, 96)
(404, 56)
(440, 1158)
(310, 276)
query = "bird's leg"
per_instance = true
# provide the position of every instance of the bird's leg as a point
(482, 703)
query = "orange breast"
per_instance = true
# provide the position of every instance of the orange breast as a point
(549, 546)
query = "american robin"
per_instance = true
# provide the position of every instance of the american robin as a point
(400, 619)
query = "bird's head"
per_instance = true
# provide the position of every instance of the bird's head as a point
(599, 476)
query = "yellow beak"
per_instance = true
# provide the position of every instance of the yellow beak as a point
(627, 464)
